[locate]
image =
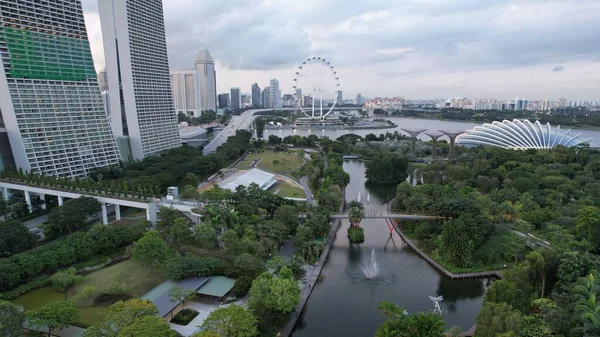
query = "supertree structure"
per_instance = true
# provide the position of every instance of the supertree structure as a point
(452, 134)
(414, 133)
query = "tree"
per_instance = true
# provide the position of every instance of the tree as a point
(355, 212)
(15, 237)
(151, 250)
(55, 315)
(121, 315)
(179, 233)
(64, 279)
(206, 236)
(587, 305)
(387, 168)
(181, 296)
(232, 321)
(148, 326)
(400, 324)
(588, 223)
(272, 298)
(11, 320)
(274, 140)
(71, 216)
(497, 318)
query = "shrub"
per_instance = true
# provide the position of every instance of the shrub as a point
(184, 317)
(116, 288)
(89, 292)
(74, 248)
(194, 266)
(11, 295)
(242, 285)
(63, 280)
(356, 234)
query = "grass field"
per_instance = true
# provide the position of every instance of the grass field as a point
(277, 162)
(288, 190)
(130, 273)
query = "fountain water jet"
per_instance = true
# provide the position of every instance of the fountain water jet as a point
(372, 270)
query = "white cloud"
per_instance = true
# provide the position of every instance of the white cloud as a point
(412, 48)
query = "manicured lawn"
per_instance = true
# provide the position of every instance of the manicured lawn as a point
(92, 315)
(277, 162)
(131, 273)
(288, 190)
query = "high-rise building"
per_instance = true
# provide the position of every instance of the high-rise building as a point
(206, 79)
(256, 96)
(143, 114)
(223, 101)
(236, 98)
(359, 100)
(50, 99)
(185, 94)
(102, 80)
(340, 98)
(299, 96)
(275, 94)
(266, 95)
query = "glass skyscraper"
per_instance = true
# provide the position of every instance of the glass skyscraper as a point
(142, 110)
(49, 95)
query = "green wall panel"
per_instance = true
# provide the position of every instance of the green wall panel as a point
(48, 57)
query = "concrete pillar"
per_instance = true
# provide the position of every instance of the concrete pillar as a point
(5, 193)
(118, 212)
(151, 213)
(28, 200)
(104, 215)
(43, 200)
(61, 200)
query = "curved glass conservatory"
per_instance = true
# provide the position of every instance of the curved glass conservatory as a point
(520, 135)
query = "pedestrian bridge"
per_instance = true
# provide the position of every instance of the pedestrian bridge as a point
(384, 216)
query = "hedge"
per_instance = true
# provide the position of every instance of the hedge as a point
(49, 258)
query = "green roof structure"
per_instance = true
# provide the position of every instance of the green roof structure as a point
(218, 286)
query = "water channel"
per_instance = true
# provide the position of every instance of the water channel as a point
(412, 123)
(341, 306)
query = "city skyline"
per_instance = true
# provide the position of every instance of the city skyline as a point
(437, 49)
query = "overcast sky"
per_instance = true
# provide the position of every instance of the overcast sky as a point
(412, 48)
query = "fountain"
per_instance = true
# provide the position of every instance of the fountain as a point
(371, 271)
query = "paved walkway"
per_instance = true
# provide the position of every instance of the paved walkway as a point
(307, 191)
(37, 222)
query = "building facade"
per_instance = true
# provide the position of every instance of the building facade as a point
(185, 96)
(256, 96)
(236, 99)
(206, 81)
(274, 94)
(143, 114)
(223, 101)
(102, 80)
(340, 98)
(49, 94)
(266, 95)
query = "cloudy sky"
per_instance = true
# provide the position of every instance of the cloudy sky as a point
(412, 48)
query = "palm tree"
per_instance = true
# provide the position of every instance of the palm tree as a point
(587, 305)
(356, 210)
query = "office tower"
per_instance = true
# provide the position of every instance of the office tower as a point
(359, 100)
(307, 101)
(143, 115)
(236, 97)
(185, 94)
(265, 97)
(102, 80)
(49, 95)
(256, 96)
(223, 101)
(275, 94)
(340, 98)
(206, 79)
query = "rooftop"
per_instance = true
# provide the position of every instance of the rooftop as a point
(263, 179)
(218, 286)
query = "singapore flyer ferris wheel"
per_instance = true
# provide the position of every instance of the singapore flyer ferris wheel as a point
(317, 80)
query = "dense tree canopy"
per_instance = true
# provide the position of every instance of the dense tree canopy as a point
(387, 168)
